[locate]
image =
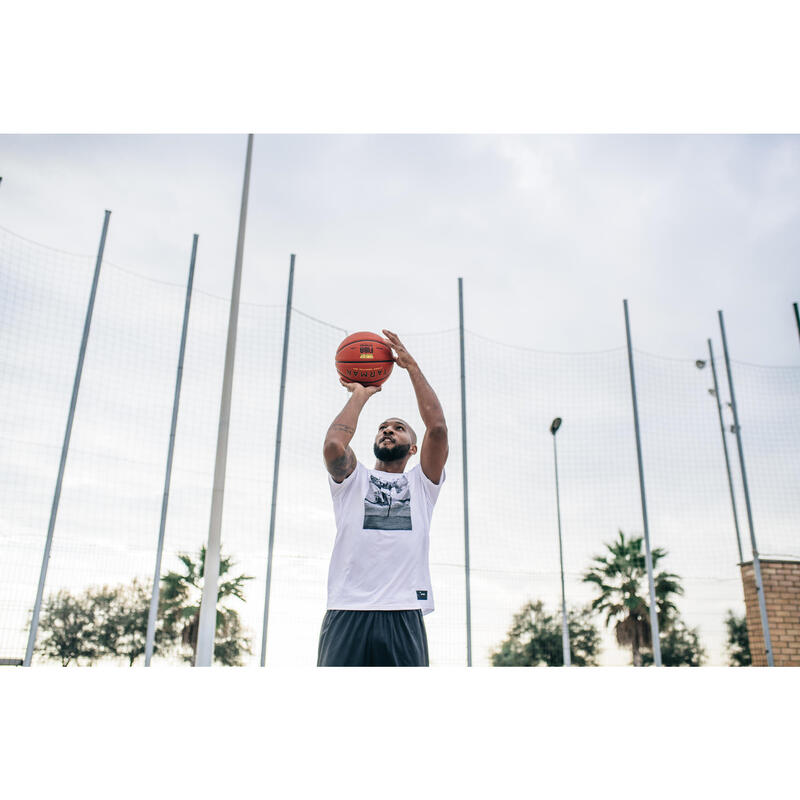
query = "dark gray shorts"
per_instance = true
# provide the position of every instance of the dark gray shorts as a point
(373, 639)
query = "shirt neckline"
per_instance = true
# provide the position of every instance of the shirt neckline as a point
(383, 472)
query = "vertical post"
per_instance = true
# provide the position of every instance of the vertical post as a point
(725, 448)
(564, 626)
(464, 465)
(648, 554)
(65, 447)
(208, 603)
(796, 317)
(277, 459)
(762, 607)
(151, 617)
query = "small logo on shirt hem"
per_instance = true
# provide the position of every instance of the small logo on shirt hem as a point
(422, 594)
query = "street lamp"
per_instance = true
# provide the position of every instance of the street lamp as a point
(715, 393)
(554, 426)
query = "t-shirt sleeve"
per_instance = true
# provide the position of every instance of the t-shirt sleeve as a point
(430, 488)
(339, 490)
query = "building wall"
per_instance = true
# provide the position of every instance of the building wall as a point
(781, 581)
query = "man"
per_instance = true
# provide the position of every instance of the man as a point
(379, 583)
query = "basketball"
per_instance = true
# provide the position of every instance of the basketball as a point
(364, 358)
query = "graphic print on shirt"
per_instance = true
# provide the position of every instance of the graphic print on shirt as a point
(387, 506)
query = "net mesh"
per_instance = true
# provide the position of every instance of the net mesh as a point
(110, 510)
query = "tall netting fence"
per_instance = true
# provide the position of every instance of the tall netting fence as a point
(42, 304)
(768, 401)
(110, 512)
(514, 395)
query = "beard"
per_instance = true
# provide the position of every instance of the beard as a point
(394, 453)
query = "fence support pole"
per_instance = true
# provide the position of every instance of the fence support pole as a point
(208, 604)
(65, 447)
(152, 615)
(796, 317)
(277, 458)
(725, 449)
(464, 466)
(648, 554)
(564, 623)
(762, 607)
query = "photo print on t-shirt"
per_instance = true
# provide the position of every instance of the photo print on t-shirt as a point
(387, 506)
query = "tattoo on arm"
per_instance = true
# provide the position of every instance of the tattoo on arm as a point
(344, 428)
(341, 467)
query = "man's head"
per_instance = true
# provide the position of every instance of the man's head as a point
(395, 441)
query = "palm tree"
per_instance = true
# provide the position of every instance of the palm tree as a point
(621, 579)
(181, 593)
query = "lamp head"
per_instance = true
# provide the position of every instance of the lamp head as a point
(699, 363)
(555, 425)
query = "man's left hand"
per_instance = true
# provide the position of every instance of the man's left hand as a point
(402, 358)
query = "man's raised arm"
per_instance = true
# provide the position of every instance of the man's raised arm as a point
(435, 448)
(340, 460)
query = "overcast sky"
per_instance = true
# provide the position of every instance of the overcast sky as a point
(550, 233)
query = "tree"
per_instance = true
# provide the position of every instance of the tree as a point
(124, 630)
(621, 580)
(680, 645)
(99, 623)
(181, 593)
(535, 638)
(738, 645)
(67, 625)
(111, 622)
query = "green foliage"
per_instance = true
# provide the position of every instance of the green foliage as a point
(230, 642)
(67, 629)
(111, 622)
(125, 630)
(738, 645)
(99, 623)
(535, 638)
(680, 646)
(181, 593)
(620, 577)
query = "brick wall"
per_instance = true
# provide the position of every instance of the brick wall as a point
(781, 581)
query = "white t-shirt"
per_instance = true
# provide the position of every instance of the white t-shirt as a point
(380, 556)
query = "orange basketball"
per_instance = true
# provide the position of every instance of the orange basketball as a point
(364, 358)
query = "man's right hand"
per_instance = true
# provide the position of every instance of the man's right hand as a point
(359, 390)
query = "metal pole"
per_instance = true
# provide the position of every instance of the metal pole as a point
(464, 465)
(762, 607)
(151, 618)
(564, 626)
(65, 447)
(725, 448)
(648, 555)
(277, 459)
(796, 317)
(208, 603)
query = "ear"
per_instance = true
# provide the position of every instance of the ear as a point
(413, 449)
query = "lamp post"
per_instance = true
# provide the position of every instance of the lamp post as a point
(554, 426)
(700, 364)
